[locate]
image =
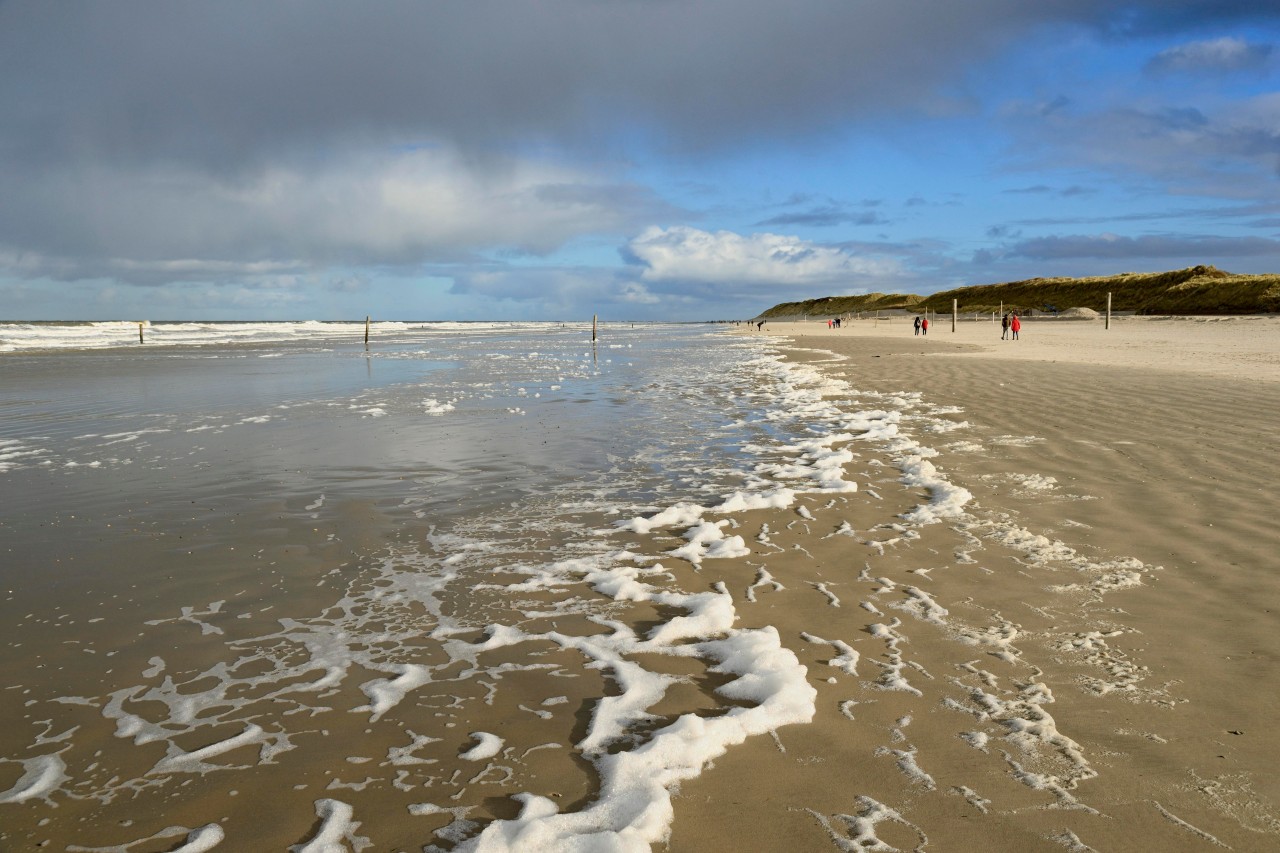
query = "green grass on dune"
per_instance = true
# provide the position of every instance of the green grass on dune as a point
(1195, 290)
(836, 305)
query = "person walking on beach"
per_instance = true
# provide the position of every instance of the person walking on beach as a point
(924, 326)
(1015, 325)
(1004, 327)
(917, 325)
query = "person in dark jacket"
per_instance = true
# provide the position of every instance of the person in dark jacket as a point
(917, 325)
(1004, 327)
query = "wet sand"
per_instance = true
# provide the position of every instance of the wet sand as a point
(1094, 643)
(1083, 659)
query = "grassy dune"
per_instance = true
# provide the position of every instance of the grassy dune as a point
(833, 306)
(1195, 290)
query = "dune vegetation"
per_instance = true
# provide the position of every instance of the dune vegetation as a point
(836, 306)
(1195, 290)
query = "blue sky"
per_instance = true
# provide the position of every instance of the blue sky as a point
(636, 159)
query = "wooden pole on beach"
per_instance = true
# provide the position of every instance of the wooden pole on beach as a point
(955, 308)
(594, 319)
(1107, 325)
(366, 331)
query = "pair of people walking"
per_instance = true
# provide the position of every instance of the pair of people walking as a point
(922, 326)
(1010, 325)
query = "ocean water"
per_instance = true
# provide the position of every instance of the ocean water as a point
(380, 587)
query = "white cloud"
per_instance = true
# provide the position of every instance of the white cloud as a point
(406, 208)
(684, 254)
(1221, 54)
(635, 293)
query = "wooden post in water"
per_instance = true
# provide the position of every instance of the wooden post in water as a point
(594, 320)
(366, 331)
(1107, 325)
(140, 340)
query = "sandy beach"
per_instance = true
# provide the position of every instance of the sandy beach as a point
(1090, 647)
(822, 590)
(1231, 347)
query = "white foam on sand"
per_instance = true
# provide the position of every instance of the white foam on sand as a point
(197, 840)
(857, 832)
(846, 660)
(41, 776)
(636, 785)
(487, 746)
(178, 761)
(337, 830)
(634, 808)
(816, 462)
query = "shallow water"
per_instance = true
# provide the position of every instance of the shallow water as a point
(220, 558)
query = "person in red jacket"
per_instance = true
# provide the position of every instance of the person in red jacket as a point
(924, 326)
(1015, 325)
